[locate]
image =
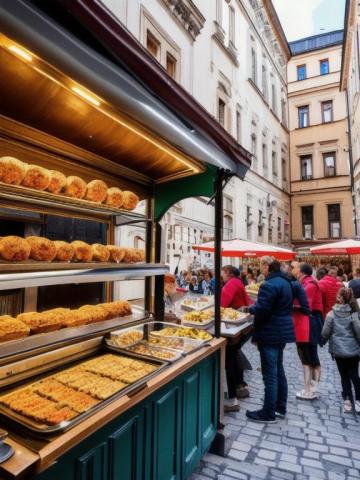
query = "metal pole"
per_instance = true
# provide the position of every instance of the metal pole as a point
(217, 254)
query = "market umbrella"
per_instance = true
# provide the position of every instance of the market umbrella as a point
(245, 249)
(343, 247)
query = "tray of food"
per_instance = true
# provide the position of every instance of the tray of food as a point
(184, 345)
(174, 331)
(126, 336)
(229, 315)
(148, 350)
(56, 402)
(198, 318)
(197, 303)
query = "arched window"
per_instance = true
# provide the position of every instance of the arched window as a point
(264, 81)
(253, 64)
(139, 242)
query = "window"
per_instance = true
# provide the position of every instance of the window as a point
(228, 204)
(274, 164)
(329, 164)
(283, 112)
(303, 114)
(221, 112)
(334, 220)
(279, 227)
(253, 65)
(306, 167)
(324, 66)
(231, 24)
(228, 227)
(260, 223)
(238, 126)
(153, 45)
(283, 170)
(248, 216)
(254, 150)
(327, 111)
(301, 72)
(307, 215)
(270, 239)
(170, 65)
(265, 160)
(264, 81)
(273, 96)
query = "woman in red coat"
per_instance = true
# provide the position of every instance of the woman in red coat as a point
(233, 295)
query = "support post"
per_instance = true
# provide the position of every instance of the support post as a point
(159, 279)
(220, 177)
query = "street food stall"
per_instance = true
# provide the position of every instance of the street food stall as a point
(92, 385)
(342, 252)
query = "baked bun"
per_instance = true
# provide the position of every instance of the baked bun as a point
(76, 318)
(120, 308)
(114, 197)
(101, 253)
(130, 200)
(11, 328)
(116, 253)
(83, 251)
(96, 191)
(134, 255)
(75, 187)
(96, 313)
(12, 170)
(42, 249)
(57, 181)
(14, 249)
(64, 251)
(36, 177)
(41, 322)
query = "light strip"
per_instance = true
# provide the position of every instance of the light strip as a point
(85, 95)
(20, 52)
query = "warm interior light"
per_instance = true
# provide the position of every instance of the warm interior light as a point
(20, 52)
(85, 95)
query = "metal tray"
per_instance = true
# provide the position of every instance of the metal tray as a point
(43, 429)
(190, 342)
(115, 333)
(177, 353)
(239, 321)
(192, 308)
(153, 327)
(201, 326)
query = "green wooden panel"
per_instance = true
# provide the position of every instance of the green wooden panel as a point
(167, 438)
(191, 423)
(208, 410)
(124, 445)
(92, 465)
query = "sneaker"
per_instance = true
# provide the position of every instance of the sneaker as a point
(258, 416)
(231, 405)
(347, 406)
(314, 386)
(357, 406)
(242, 392)
(303, 395)
(280, 413)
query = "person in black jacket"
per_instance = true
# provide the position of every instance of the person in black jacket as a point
(273, 329)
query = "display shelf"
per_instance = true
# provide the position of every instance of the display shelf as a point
(94, 273)
(18, 196)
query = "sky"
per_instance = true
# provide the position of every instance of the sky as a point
(303, 18)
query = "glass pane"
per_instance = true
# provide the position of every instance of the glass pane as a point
(170, 65)
(301, 72)
(327, 112)
(324, 67)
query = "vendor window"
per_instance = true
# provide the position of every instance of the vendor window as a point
(303, 114)
(307, 216)
(324, 66)
(329, 164)
(334, 220)
(327, 111)
(306, 167)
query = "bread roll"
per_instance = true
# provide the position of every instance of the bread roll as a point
(83, 251)
(40, 322)
(12, 170)
(57, 181)
(11, 328)
(96, 312)
(14, 249)
(36, 177)
(75, 187)
(101, 253)
(121, 308)
(130, 200)
(114, 197)
(96, 191)
(42, 249)
(133, 255)
(116, 253)
(64, 251)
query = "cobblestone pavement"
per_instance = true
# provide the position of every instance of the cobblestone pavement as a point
(315, 442)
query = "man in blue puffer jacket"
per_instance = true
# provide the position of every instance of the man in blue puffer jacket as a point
(273, 329)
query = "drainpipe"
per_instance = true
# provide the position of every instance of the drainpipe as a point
(351, 164)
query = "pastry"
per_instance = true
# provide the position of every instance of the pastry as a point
(57, 181)
(95, 312)
(14, 249)
(42, 249)
(114, 197)
(41, 322)
(75, 187)
(76, 318)
(127, 338)
(116, 253)
(11, 328)
(96, 191)
(36, 177)
(83, 251)
(139, 255)
(133, 255)
(130, 200)
(12, 170)
(100, 252)
(64, 251)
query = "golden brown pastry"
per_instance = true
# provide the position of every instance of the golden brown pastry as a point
(114, 197)
(129, 256)
(42, 249)
(41, 322)
(64, 251)
(96, 191)
(36, 177)
(130, 200)
(83, 251)
(138, 255)
(96, 313)
(75, 318)
(57, 181)
(14, 249)
(101, 253)
(75, 187)
(11, 328)
(12, 170)
(116, 253)
(121, 308)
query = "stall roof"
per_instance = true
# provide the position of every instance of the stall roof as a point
(36, 94)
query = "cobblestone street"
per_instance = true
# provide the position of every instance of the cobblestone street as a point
(316, 441)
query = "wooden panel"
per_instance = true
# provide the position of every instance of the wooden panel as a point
(125, 451)
(208, 409)
(191, 422)
(92, 465)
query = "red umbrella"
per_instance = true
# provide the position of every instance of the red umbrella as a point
(245, 249)
(343, 247)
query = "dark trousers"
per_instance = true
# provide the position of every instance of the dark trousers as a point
(349, 373)
(276, 387)
(234, 374)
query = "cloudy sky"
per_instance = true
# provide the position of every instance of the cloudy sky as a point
(302, 18)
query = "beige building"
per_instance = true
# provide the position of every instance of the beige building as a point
(321, 202)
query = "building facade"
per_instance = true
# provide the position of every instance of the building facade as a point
(321, 201)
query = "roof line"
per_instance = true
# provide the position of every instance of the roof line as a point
(315, 36)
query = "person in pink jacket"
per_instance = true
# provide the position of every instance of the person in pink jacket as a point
(329, 287)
